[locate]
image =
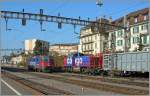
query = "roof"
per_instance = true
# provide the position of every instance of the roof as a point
(98, 20)
(65, 44)
(132, 14)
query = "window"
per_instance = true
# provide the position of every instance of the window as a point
(145, 17)
(119, 42)
(83, 47)
(91, 46)
(144, 27)
(120, 33)
(84, 40)
(95, 45)
(113, 35)
(145, 39)
(135, 20)
(88, 38)
(95, 37)
(136, 29)
(128, 23)
(136, 40)
(88, 47)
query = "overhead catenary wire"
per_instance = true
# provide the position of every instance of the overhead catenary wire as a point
(60, 6)
(126, 9)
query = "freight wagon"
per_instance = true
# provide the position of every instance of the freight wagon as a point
(58, 63)
(40, 63)
(127, 63)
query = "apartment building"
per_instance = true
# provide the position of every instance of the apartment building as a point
(134, 36)
(30, 45)
(64, 49)
(117, 38)
(93, 41)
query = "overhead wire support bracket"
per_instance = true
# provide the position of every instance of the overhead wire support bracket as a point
(6, 20)
(41, 20)
(23, 19)
(56, 19)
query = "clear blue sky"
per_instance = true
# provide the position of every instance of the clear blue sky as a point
(68, 8)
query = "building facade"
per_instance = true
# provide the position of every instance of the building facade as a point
(16, 60)
(64, 49)
(135, 37)
(93, 41)
(31, 44)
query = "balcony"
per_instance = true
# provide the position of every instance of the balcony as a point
(84, 43)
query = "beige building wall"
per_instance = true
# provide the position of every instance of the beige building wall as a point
(91, 42)
(64, 49)
(30, 44)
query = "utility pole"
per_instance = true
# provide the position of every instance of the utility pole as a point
(0, 45)
(149, 32)
(125, 35)
(149, 25)
(99, 3)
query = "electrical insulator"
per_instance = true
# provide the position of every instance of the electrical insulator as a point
(23, 21)
(23, 10)
(41, 11)
(59, 25)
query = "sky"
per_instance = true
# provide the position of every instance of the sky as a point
(67, 8)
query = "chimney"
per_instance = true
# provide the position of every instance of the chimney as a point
(110, 19)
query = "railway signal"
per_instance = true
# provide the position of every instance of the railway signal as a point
(41, 21)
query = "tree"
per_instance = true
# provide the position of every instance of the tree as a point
(40, 49)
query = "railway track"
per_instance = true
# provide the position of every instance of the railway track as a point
(118, 88)
(101, 86)
(45, 90)
(131, 81)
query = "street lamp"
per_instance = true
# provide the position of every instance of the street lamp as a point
(99, 3)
